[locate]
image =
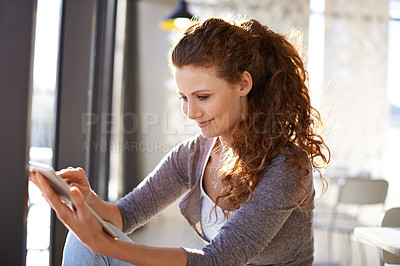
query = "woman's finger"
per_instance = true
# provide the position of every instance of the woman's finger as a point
(72, 174)
(32, 177)
(62, 210)
(77, 198)
(81, 208)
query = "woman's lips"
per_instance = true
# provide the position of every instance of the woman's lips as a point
(204, 123)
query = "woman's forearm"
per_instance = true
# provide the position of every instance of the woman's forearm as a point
(140, 254)
(128, 251)
(106, 210)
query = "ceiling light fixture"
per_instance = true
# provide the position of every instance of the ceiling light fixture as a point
(179, 20)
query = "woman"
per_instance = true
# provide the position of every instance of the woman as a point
(249, 172)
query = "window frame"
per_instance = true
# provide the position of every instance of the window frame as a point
(17, 23)
(84, 91)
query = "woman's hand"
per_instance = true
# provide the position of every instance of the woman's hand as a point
(89, 230)
(81, 221)
(77, 177)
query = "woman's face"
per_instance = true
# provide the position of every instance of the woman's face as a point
(214, 104)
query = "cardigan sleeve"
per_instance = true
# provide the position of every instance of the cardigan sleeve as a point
(161, 187)
(255, 224)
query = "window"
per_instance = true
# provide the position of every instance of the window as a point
(393, 96)
(43, 123)
(316, 50)
(394, 55)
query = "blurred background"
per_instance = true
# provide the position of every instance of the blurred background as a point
(103, 98)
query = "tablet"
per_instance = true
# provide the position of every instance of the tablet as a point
(62, 190)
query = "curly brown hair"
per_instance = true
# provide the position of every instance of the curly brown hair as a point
(280, 117)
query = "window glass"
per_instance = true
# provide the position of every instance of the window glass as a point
(316, 50)
(393, 96)
(394, 55)
(115, 188)
(43, 123)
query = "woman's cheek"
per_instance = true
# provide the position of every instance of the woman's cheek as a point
(184, 108)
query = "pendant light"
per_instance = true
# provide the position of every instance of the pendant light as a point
(179, 20)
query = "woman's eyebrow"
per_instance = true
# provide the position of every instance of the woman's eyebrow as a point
(195, 92)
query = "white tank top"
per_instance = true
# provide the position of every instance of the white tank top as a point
(210, 223)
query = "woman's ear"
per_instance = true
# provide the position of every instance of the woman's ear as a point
(246, 83)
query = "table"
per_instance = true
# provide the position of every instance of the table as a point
(387, 238)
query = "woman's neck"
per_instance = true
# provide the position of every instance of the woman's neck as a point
(224, 142)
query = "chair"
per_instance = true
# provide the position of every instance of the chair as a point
(391, 218)
(353, 194)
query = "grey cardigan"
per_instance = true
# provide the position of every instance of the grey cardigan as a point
(268, 230)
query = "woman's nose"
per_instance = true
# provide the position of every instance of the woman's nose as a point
(192, 110)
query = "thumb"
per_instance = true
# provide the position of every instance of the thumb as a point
(77, 198)
(79, 187)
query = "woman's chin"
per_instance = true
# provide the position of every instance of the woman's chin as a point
(208, 134)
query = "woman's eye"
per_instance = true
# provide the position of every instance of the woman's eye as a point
(202, 97)
(183, 98)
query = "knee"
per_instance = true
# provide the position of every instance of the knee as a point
(75, 252)
(72, 243)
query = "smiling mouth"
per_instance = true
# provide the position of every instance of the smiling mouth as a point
(205, 123)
